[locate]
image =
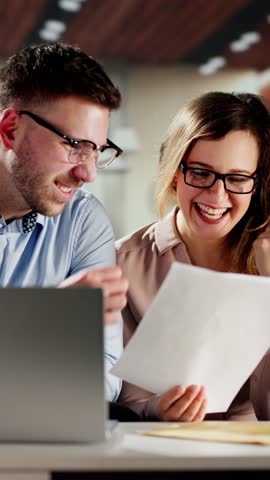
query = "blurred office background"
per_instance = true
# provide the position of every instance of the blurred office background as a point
(160, 53)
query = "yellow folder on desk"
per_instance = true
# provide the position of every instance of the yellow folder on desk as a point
(217, 431)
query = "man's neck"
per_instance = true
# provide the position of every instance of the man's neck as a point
(11, 206)
(9, 218)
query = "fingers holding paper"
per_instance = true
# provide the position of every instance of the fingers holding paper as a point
(183, 404)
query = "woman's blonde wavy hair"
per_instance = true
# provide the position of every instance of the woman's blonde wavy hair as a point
(212, 116)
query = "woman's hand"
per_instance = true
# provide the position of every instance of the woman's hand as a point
(183, 404)
(262, 252)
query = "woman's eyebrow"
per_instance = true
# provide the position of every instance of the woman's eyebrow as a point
(210, 167)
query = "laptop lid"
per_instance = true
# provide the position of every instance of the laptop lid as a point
(52, 365)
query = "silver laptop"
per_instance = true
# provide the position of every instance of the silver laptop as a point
(51, 365)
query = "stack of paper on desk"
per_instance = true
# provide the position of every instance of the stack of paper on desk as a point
(234, 432)
(203, 327)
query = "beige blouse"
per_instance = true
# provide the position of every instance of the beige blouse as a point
(146, 257)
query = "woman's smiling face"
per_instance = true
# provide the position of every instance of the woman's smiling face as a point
(211, 213)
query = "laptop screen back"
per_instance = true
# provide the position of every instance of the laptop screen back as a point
(51, 365)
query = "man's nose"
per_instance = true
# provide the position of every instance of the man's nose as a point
(86, 172)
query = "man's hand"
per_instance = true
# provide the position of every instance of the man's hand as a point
(183, 404)
(262, 252)
(114, 286)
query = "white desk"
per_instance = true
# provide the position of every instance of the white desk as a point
(128, 452)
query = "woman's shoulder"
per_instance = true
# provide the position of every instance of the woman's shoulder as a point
(137, 240)
(158, 237)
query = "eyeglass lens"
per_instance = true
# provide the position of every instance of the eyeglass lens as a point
(85, 150)
(205, 179)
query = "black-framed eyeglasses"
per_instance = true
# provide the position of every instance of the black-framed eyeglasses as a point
(204, 178)
(81, 150)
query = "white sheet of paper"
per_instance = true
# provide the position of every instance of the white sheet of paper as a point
(203, 327)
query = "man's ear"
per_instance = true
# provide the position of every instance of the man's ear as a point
(8, 127)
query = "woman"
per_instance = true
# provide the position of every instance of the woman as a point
(215, 182)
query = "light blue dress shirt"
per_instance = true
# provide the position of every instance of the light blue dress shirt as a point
(79, 238)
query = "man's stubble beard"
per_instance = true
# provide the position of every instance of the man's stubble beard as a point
(30, 182)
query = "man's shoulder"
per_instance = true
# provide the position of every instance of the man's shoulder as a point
(82, 195)
(82, 200)
(83, 208)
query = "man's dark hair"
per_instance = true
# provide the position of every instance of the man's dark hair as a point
(49, 71)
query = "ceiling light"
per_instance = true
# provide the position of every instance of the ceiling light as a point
(52, 30)
(251, 37)
(70, 5)
(245, 41)
(49, 35)
(238, 46)
(55, 26)
(212, 65)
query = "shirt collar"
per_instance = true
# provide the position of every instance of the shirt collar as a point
(29, 222)
(164, 232)
(25, 224)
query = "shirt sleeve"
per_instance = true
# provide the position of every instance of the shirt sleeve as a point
(93, 239)
(93, 249)
(113, 339)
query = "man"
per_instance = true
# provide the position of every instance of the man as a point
(55, 103)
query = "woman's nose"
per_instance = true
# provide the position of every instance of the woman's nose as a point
(218, 188)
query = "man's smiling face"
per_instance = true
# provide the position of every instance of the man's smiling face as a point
(43, 177)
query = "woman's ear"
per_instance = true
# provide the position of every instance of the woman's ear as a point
(8, 126)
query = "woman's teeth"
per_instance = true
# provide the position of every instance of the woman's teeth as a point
(212, 213)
